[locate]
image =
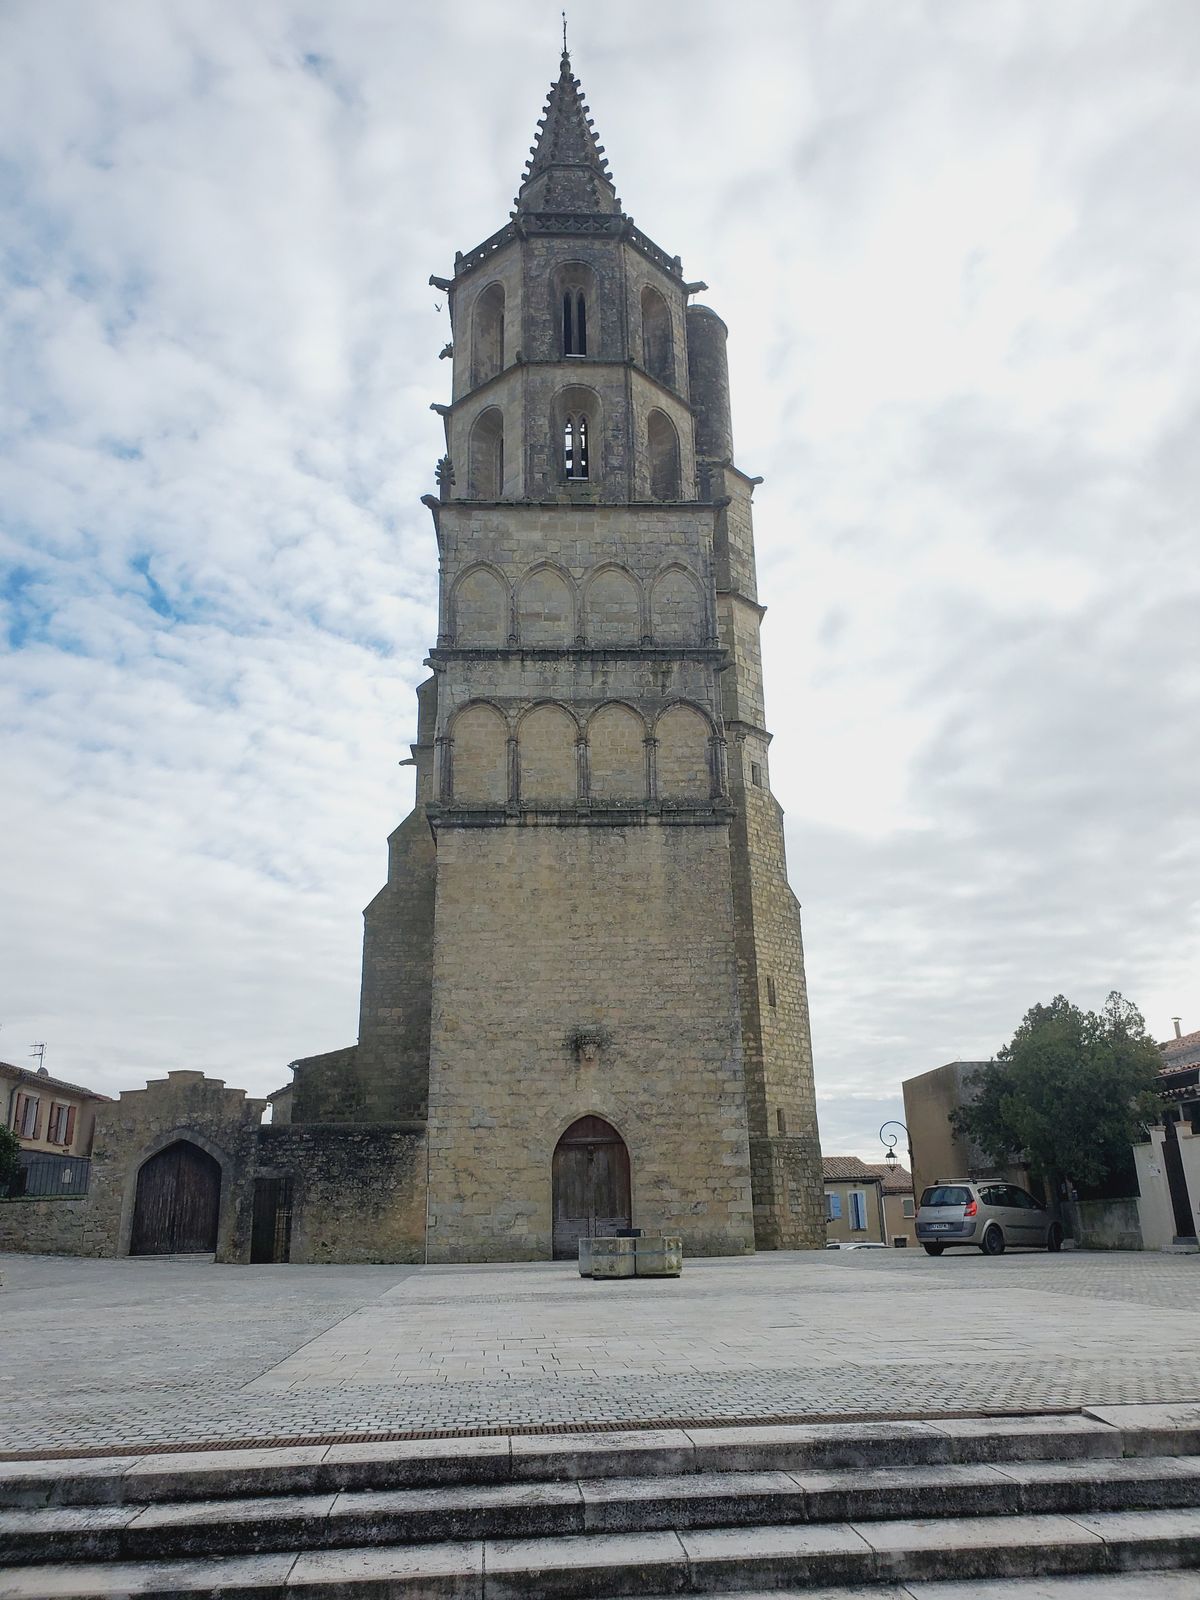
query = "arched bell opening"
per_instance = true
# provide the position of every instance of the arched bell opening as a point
(591, 1185)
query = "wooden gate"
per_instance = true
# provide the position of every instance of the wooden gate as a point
(591, 1185)
(1181, 1203)
(271, 1231)
(177, 1204)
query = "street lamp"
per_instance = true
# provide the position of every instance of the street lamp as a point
(890, 1139)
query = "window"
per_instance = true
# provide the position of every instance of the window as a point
(756, 775)
(833, 1207)
(858, 1209)
(574, 322)
(575, 446)
(25, 1116)
(770, 991)
(945, 1194)
(781, 1120)
(907, 1207)
(61, 1124)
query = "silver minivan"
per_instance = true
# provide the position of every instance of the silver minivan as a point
(988, 1215)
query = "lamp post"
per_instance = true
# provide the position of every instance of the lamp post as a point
(889, 1139)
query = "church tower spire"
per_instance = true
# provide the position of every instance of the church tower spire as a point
(584, 979)
(566, 170)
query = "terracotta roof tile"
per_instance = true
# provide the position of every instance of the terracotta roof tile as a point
(896, 1180)
(24, 1075)
(1182, 1052)
(844, 1167)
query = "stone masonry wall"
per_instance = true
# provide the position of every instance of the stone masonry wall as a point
(184, 1105)
(781, 1099)
(129, 1130)
(358, 1193)
(541, 930)
(51, 1226)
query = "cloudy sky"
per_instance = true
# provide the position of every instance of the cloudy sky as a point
(956, 245)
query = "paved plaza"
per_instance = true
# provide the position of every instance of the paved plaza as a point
(176, 1352)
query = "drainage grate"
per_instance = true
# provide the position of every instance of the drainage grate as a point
(525, 1430)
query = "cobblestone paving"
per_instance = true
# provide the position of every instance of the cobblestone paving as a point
(147, 1352)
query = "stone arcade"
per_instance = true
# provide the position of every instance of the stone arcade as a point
(583, 996)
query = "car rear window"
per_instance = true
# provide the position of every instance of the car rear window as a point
(945, 1194)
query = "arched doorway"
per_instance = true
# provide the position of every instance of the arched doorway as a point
(591, 1185)
(177, 1203)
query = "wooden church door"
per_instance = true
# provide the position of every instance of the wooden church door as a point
(178, 1202)
(591, 1185)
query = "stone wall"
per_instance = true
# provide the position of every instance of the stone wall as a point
(51, 1226)
(129, 1131)
(789, 1209)
(358, 1193)
(1104, 1224)
(184, 1105)
(543, 930)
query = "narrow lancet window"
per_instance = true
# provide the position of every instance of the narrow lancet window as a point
(574, 323)
(575, 447)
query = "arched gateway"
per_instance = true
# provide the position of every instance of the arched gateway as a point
(591, 1185)
(177, 1204)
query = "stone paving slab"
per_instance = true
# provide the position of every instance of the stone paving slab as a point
(141, 1353)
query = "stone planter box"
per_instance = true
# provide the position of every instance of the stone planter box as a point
(659, 1256)
(613, 1258)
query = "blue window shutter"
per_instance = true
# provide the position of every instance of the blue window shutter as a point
(833, 1205)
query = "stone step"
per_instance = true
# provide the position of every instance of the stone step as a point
(1177, 1585)
(950, 1552)
(330, 1469)
(360, 1519)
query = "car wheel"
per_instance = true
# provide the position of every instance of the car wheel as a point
(1054, 1239)
(934, 1249)
(993, 1241)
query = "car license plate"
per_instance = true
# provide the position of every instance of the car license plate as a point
(942, 1225)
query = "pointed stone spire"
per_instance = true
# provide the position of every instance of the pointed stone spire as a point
(566, 170)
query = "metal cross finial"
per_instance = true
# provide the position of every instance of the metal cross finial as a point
(564, 17)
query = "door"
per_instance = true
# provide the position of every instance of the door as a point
(1181, 1204)
(1022, 1224)
(177, 1203)
(591, 1185)
(271, 1230)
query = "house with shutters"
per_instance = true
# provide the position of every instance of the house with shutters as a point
(54, 1122)
(853, 1202)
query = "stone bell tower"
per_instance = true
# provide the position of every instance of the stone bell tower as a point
(585, 974)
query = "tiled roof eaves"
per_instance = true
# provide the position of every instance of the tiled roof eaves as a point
(24, 1075)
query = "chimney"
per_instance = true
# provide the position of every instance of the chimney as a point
(1177, 1021)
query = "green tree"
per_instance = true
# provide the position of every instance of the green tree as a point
(1069, 1093)
(10, 1157)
